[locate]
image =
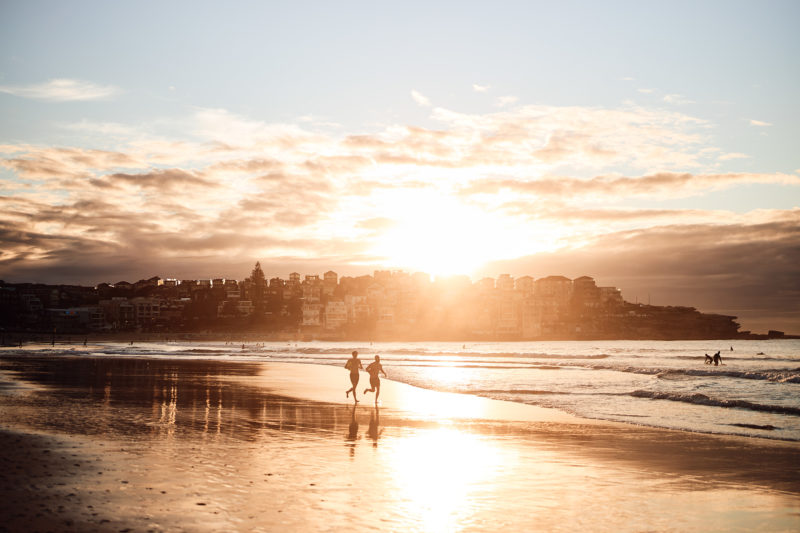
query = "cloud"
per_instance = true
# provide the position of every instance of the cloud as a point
(166, 180)
(379, 223)
(62, 90)
(585, 136)
(677, 99)
(420, 99)
(646, 91)
(238, 132)
(504, 101)
(754, 122)
(667, 184)
(733, 155)
(740, 269)
(234, 189)
(571, 214)
(480, 88)
(49, 163)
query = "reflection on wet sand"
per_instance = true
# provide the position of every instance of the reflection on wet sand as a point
(352, 432)
(186, 398)
(441, 475)
(374, 431)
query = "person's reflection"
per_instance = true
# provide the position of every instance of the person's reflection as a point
(352, 432)
(374, 430)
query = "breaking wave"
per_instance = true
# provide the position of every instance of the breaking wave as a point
(777, 375)
(701, 399)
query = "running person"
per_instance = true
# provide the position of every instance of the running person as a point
(353, 364)
(374, 378)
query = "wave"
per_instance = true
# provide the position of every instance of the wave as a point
(511, 391)
(731, 358)
(778, 375)
(768, 427)
(701, 399)
(424, 354)
(775, 375)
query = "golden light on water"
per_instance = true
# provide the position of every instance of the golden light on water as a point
(440, 474)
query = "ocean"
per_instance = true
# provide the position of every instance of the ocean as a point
(755, 391)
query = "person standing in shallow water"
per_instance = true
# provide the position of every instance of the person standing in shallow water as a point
(374, 378)
(353, 365)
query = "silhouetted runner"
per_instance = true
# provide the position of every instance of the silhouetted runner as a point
(353, 364)
(374, 378)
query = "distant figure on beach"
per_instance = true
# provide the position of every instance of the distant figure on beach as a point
(353, 365)
(373, 370)
(709, 359)
(731, 348)
(717, 358)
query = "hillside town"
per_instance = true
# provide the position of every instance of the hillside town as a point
(388, 305)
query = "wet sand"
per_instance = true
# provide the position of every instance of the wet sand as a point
(115, 444)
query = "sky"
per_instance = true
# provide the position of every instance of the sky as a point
(650, 145)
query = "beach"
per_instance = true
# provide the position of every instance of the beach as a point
(112, 443)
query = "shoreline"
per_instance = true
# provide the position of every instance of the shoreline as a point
(108, 443)
(521, 411)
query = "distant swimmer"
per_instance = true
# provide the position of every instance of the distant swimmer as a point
(717, 358)
(353, 364)
(709, 359)
(373, 369)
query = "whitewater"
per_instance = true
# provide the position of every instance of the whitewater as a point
(754, 392)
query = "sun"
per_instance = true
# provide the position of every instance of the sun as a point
(438, 234)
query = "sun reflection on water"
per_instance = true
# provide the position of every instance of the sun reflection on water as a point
(442, 475)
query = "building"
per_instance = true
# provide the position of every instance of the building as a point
(119, 313)
(330, 280)
(505, 282)
(335, 315)
(524, 285)
(312, 315)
